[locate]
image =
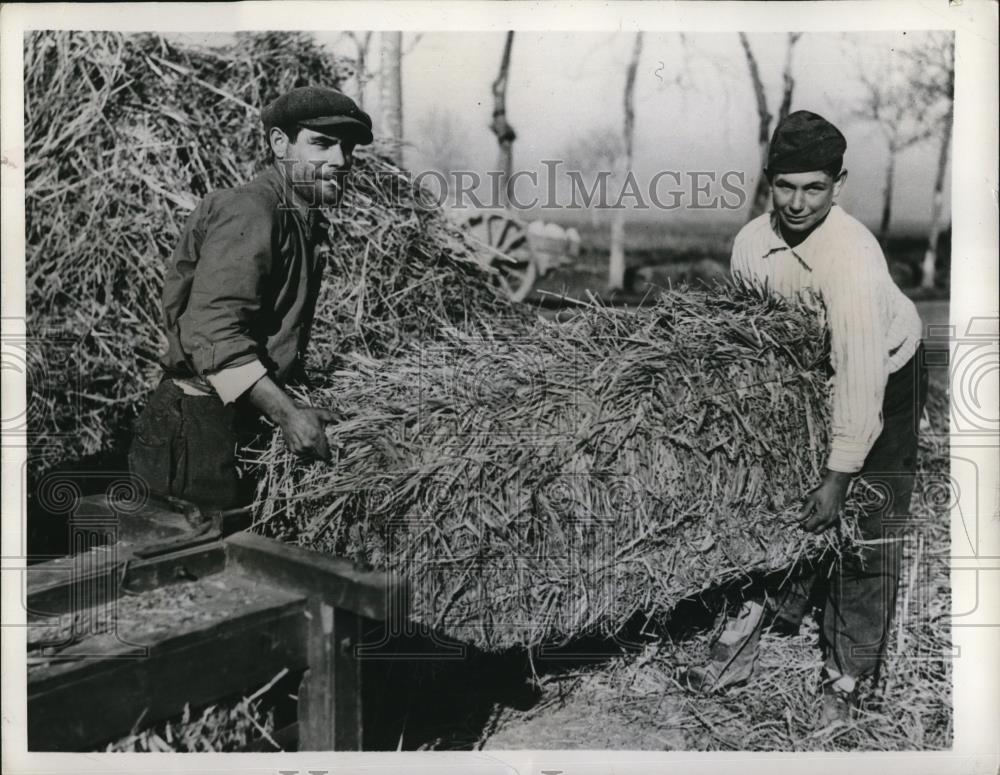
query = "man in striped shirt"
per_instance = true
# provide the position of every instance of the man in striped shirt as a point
(808, 246)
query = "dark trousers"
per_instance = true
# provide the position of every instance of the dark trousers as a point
(860, 586)
(186, 447)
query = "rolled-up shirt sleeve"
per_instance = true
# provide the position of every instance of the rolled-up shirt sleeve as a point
(858, 357)
(233, 382)
(234, 261)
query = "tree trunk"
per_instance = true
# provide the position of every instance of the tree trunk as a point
(362, 64)
(760, 195)
(788, 82)
(930, 255)
(890, 174)
(616, 262)
(392, 92)
(504, 132)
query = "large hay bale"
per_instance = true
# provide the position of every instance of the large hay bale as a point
(542, 486)
(124, 133)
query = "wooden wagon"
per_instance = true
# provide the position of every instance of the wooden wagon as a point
(521, 251)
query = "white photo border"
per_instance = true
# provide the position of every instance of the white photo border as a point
(974, 293)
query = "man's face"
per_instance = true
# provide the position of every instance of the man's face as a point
(317, 164)
(802, 199)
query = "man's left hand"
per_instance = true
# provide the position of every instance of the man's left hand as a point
(822, 508)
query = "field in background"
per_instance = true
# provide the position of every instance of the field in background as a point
(668, 250)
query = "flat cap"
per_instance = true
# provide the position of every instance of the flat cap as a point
(321, 109)
(804, 142)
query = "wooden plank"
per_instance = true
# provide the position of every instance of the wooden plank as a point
(194, 563)
(103, 542)
(55, 586)
(341, 598)
(212, 526)
(346, 680)
(330, 691)
(161, 618)
(61, 587)
(233, 520)
(179, 544)
(154, 520)
(373, 594)
(76, 706)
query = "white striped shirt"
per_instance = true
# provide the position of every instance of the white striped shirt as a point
(874, 328)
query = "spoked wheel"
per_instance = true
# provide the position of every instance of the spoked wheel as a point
(506, 248)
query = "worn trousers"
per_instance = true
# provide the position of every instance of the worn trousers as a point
(859, 587)
(186, 446)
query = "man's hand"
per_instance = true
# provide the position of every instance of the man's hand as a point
(822, 508)
(302, 426)
(304, 434)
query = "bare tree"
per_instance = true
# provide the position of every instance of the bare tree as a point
(933, 80)
(504, 132)
(891, 103)
(764, 117)
(361, 75)
(616, 262)
(597, 152)
(787, 80)
(391, 96)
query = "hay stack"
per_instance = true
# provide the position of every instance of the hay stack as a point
(124, 133)
(544, 486)
(630, 409)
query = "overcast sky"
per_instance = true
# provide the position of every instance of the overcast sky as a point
(568, 85)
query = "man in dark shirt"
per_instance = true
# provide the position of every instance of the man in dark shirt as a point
(238, 302)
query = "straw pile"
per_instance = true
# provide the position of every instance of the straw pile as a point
(227, 726)
(636, 703)
(123, 135)
(543, 486)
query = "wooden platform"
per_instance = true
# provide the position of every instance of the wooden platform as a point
(119, 639)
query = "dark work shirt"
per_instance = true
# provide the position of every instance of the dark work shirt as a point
(243, 281)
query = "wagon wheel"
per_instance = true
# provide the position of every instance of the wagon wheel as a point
(505, 242)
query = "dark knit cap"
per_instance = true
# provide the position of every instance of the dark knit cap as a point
(804, 142)
(323, 110)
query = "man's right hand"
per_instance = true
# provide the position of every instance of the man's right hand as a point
(304, 434)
